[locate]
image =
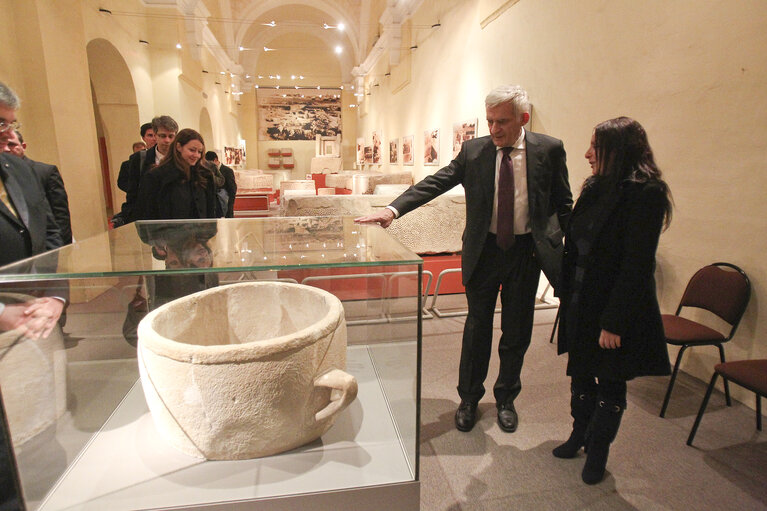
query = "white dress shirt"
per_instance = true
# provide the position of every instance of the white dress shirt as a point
(521, 206)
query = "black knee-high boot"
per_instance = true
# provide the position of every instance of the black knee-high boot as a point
(604, 428)
(582, 403)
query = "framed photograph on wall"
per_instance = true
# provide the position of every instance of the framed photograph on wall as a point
(360, 151)
(377, 147)
(407, 150)
(431, 147)
(462, 132)
(394, 150)
(368, 154)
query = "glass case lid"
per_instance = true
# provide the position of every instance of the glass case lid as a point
(231, 244)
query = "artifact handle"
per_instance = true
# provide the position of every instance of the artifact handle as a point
(342, 382)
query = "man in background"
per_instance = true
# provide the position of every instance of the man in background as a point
(164, 130)
(137, 146)
(51, 182)
(147, 135)
(230, 185)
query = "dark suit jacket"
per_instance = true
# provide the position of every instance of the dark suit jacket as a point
(53, 186)
(614, 283)
(548, 189)
(35, 231)
(230, 185)
(129, 181)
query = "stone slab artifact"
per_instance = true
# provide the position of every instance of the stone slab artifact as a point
(253, 179)
(434, 228)
(245, 370)
(32, 378)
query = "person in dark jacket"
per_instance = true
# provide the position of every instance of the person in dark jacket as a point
(230, 185)
(179, 188)
(51, 181)
(610, 320)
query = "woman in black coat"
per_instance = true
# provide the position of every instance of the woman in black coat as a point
(179, 187)
(610, 323)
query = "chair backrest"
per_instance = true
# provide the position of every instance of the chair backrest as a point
(721, 288)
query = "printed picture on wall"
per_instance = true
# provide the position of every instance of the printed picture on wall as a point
(376, 147)
(233, 156)
(360, 151)
(407, 150)
(368, 154)
(462, 132)
(298, 114)
(393, 150)
(431, 147)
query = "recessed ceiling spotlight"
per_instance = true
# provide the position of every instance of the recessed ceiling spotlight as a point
(341, 27)
(178, 45)
(242, 48)
(268, 49)
(292, 77)
(278, 77)
(338, 49)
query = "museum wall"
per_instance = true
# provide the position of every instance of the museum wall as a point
(69, 55)
(694, 77)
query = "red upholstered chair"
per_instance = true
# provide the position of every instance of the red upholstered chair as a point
(750, 374)
(720, 288)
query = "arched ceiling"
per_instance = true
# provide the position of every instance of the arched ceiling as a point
(295, 33)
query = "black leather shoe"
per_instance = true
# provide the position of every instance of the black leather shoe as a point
(466, 416)
(507, 417)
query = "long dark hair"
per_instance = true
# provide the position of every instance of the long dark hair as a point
(624, 155)
(195, 173)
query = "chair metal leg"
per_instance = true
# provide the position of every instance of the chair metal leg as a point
(758, 412)
(671, 382)
(702, 408)
(554, 328)
(726, 384)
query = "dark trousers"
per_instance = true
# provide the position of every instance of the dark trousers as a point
(516, 273)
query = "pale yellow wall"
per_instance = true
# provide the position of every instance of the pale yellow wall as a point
(693, 76)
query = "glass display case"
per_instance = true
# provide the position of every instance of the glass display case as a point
(78, 432)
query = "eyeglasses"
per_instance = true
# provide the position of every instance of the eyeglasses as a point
(13, 125)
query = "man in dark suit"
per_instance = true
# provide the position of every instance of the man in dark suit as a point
(52, 183)
(27, 228)
(164, 129)
(517, 201)
(230, 185)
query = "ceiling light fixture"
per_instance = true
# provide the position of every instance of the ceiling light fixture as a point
(341, 27)
(268, 49)
(242, 48)
(270, 24)
(178, 45)
(143, 41)
(338, 50)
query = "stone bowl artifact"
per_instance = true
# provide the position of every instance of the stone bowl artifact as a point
(245, 370)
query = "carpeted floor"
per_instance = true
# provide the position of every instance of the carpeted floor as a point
(650, 466)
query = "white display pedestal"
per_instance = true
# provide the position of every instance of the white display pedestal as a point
(358, 464)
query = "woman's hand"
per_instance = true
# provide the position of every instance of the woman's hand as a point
(609, 340)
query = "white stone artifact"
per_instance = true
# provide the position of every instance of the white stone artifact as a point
(245, 370)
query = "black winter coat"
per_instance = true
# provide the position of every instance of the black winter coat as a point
(165, 194)
(608, 283)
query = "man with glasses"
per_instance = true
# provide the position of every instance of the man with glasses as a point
(27, 228)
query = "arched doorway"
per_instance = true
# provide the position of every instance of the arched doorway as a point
(116, 114)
